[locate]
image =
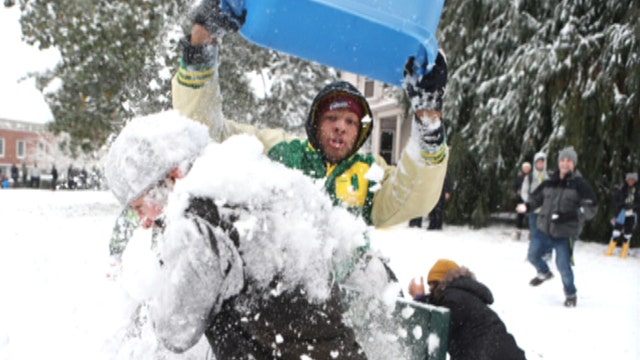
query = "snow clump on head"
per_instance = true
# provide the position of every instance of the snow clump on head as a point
(148, 148)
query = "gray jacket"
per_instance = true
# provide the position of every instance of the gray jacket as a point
(566, 204)
(532, 181)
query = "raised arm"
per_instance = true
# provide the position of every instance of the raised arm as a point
(413, 187)
(196, 87)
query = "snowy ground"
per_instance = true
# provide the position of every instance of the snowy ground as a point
(57, 303)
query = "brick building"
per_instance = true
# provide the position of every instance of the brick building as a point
(25, 143)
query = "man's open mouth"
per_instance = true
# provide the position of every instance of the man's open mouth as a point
(336, 143)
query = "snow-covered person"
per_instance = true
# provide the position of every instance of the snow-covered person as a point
(567, 201)
(529, 185)
(476, 332)
(626, 204)
(338, 123)
(226, 267)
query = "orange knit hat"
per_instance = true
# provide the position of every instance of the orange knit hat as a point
(440, 269)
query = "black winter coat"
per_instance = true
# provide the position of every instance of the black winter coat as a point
(627, 198)
(266, 324)
(566, 204)
(476, 332)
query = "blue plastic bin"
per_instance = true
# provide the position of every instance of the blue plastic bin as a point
(373, 38)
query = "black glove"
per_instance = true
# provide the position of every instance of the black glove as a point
(426, 91)
(216, 20)
(194, 54)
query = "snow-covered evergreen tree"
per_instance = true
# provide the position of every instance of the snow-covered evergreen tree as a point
(526, 76)
(118, 58)
(532, 76)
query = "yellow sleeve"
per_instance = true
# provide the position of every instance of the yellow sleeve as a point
(202, 102)
(408, 190)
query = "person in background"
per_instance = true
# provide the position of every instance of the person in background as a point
(529, 185)
(15, 174)
(476, 332)
(25, 173)
(71, 178)
(54, 177)
(436, 216)
(4, 180)
(34, 174)
(339, 122)
(525, 169)
(567, 201)
(626, 203)
(84, 175)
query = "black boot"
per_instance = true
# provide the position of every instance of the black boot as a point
(571, 301)
(540, 279)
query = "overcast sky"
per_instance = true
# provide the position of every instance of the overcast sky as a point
(20, 100)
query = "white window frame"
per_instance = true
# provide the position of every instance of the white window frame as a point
(369, 88)
(24, 149)
(2, 147)
(391, 151)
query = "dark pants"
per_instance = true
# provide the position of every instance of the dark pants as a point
(35, 182)
(520, 221)
(436, 216)
(416, 222)
(624, 226)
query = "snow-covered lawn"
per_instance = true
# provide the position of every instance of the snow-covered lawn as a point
(56, 301)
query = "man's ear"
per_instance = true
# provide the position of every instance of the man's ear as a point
(175, 174)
